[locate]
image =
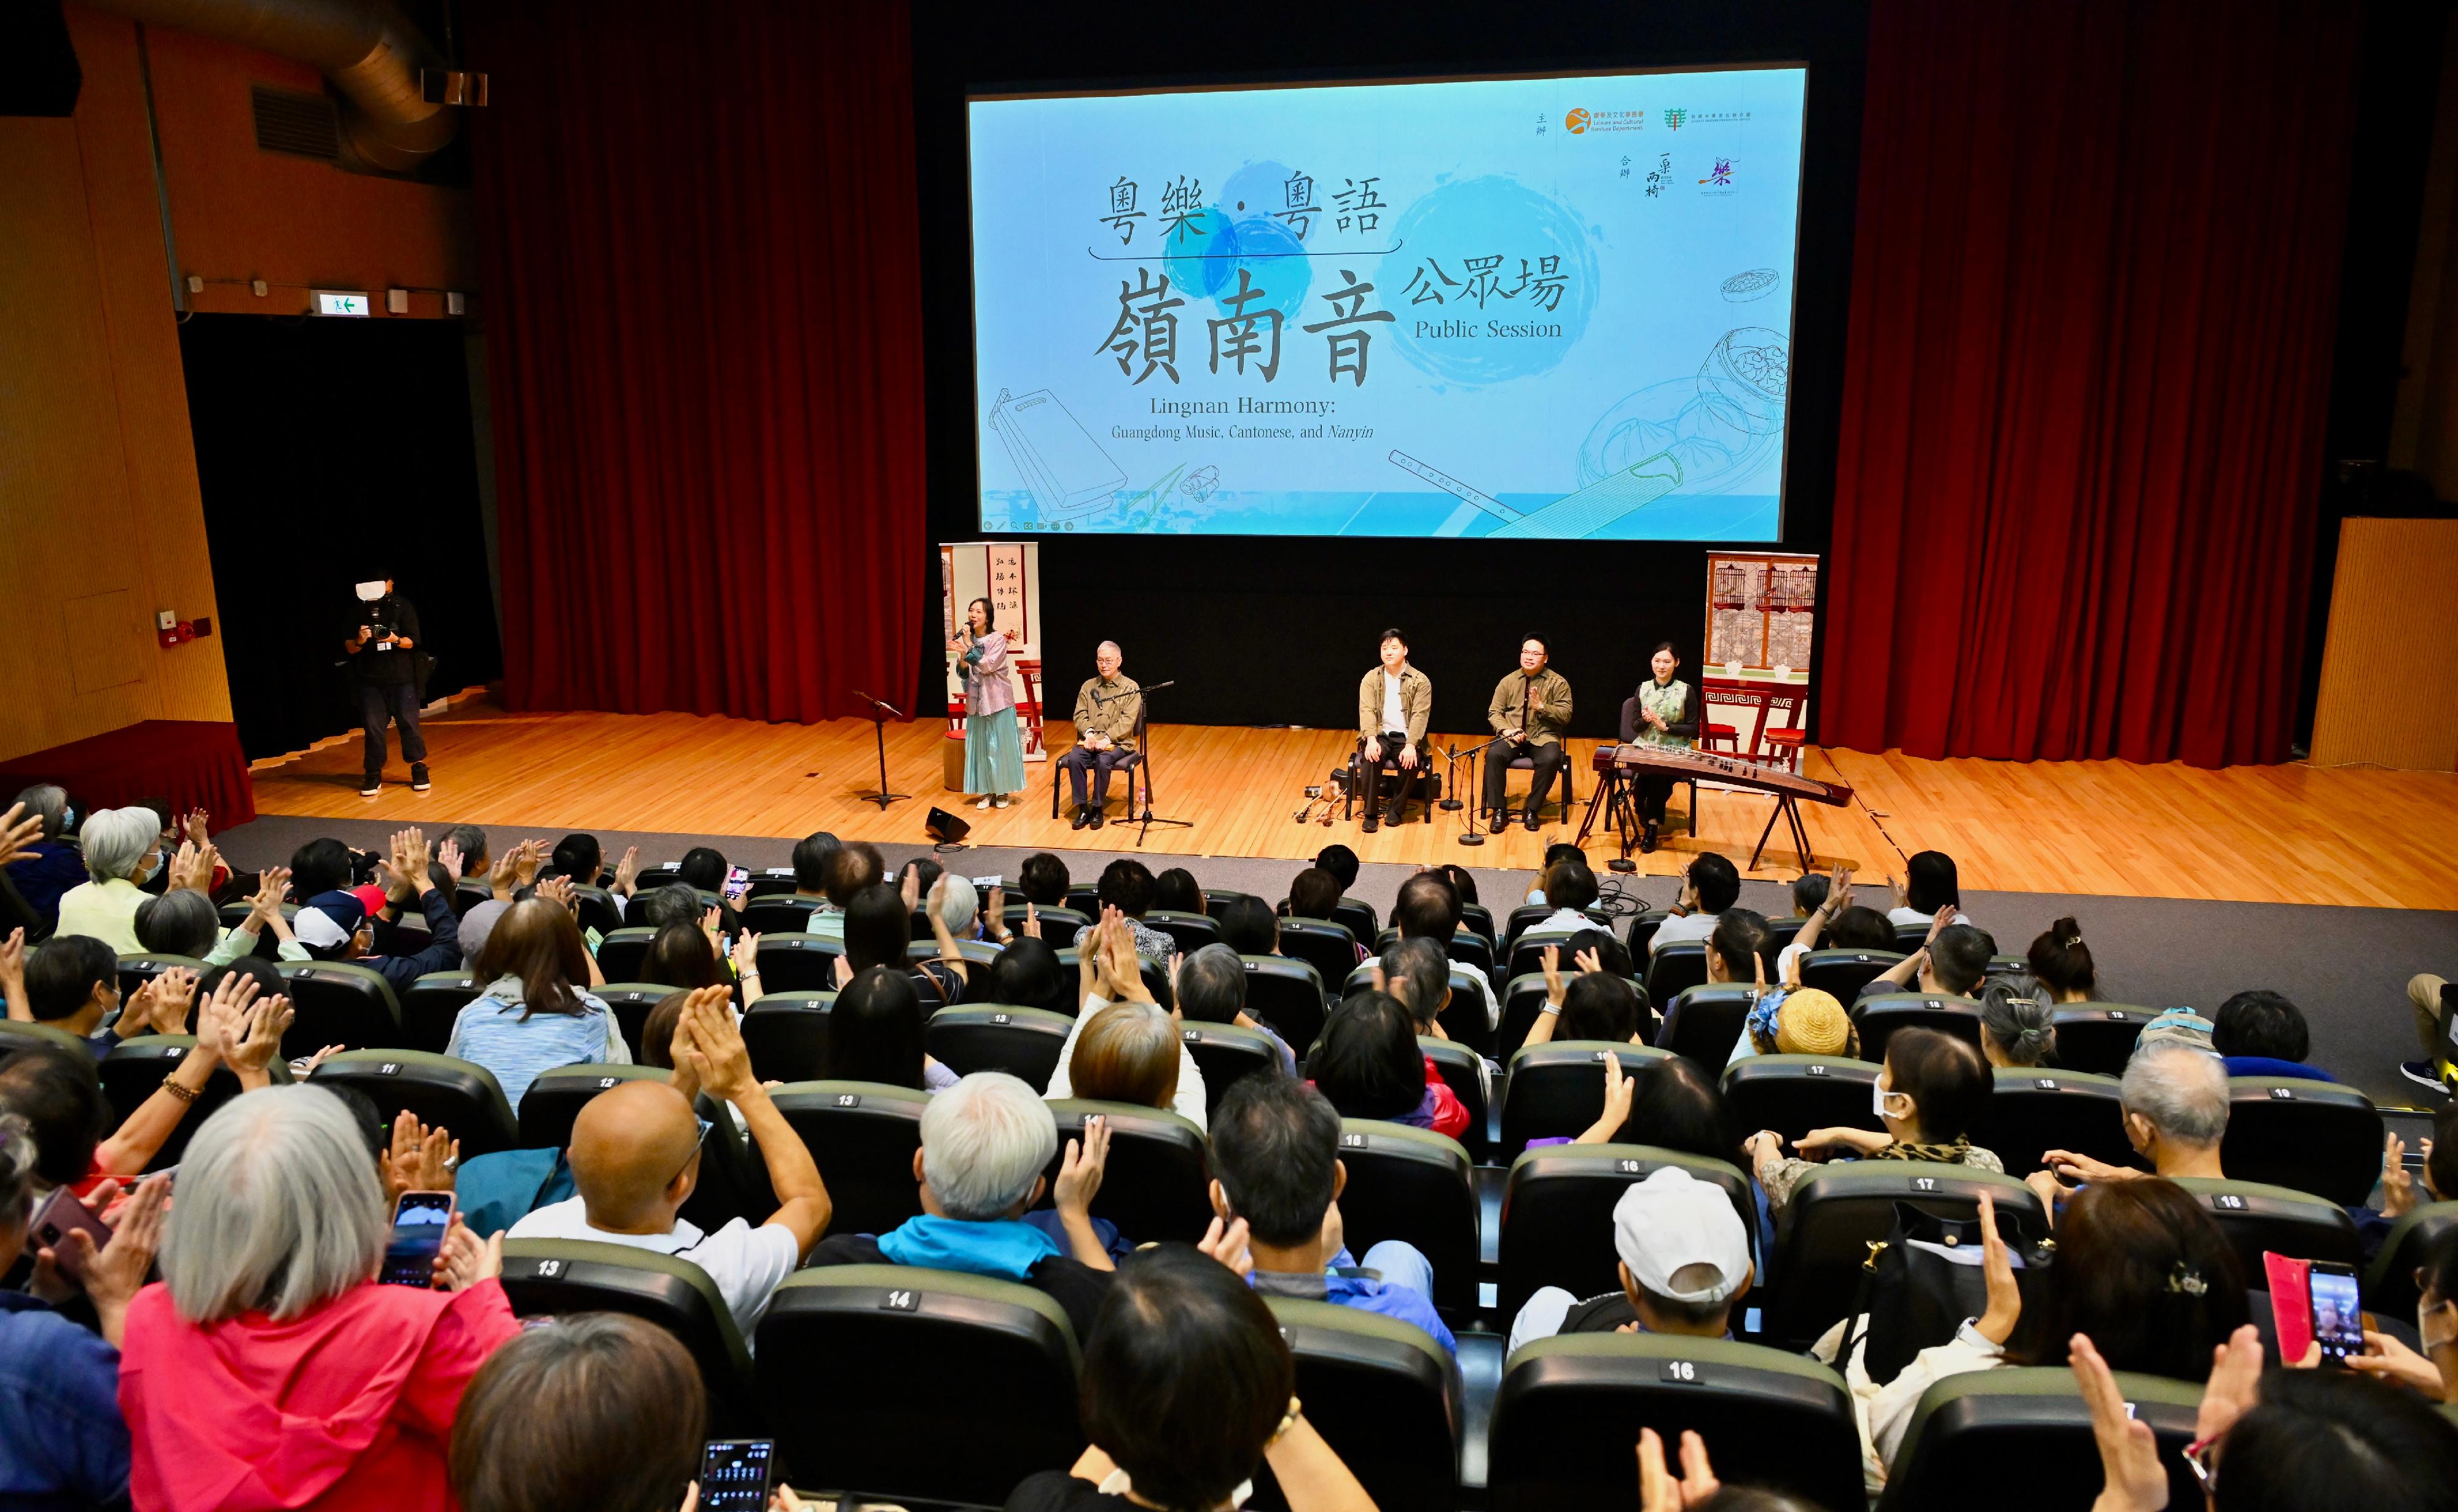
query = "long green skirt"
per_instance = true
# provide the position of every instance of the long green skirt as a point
(994, 753)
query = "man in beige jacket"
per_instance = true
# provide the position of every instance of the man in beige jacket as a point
(1394, 702)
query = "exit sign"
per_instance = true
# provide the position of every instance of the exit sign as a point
(341, 301)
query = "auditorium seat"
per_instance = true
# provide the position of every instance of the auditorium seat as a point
(787, 1036)
(1527, 956)
(17, 1034)
(1837, 1210)
(787, 915)
(1793, 1094)
(1384, 1394)
(995, 1037)
(1780, 932)
(1844, 972)
(975, 953)
(338, 1003)
(1057, 923)
(555, 1098)
(2035, 1108)
(1192, 931)
(472, 891)
(1558, 1214)
(1327, 947)
(2390, 1286)
(621, 954)
(1479, 919)
(596, 909)
(1558, 1089)
(1566, 1417)
(788, 962)
(1466, 1012)
(863, 1136)
(1458, 1066)
(733, 1178)
(1882, 1014)
(430, 1004)
(546, 1278)
(1412, 1183)
(1704, 1023)
(773, 881)
(1522, 999)
(1086, 899)
(1216, 900)
(137, 1069)
(1672, 969)
(2310, 1136)
(2098, 1036)
(632, 1003)
(1156, 975)
(1527, 916)
(141, 966)
(2256, 1218)
(2027, 1427)
(1286, 994)
(1910, 938)
(1224, 1052)
(459, 1095)
(1156, 1187)
(1354, 914)
(899, 1382)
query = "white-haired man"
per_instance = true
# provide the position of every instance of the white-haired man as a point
(984, 1142)
(2175, 1103)
(1107, 708)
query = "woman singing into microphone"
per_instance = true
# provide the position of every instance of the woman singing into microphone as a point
(1664, 712)
(994, 753)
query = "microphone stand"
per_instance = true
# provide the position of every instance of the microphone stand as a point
(879, 728)
(1147, 820)
(1474, 755)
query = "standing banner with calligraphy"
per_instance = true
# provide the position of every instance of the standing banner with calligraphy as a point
(1009, 574)
(1753, 676)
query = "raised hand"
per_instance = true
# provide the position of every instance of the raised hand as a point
(220, 1019)
(527, 857)
(12, 974)
(2005, 1298)
(448, 855)
(466, 1260)
(258, 1037)
(909, 886)
(418, 1159)
(1589, 961)
(196, 825)
(626, 871)
(1228, 1244)
(1619, 1091)
(272, 886)
(715, 1053)
(2398, 1183)
(18, 833)
(1658, 1490)
(1946, 914)
(2128, 1455)
(746, 954)
(1550, 959)
(1080, 1169)
(1031, 921)
(2234, 1384)
(500, 876)
(170, 996)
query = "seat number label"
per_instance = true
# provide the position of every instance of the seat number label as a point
(1924, 1183)
(999, 1018)
(549, 1270)
(848, 1099)
(389, 1068)
(1815, 1070)
(2227, 1202)
(2282, 1094)
(899, 1302)
(2046, 1083)
(1626, 1167)
(1680, 1370)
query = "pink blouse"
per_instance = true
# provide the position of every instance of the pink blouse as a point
(987, 688)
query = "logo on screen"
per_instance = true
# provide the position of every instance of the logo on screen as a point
(1575, 122)
(1674, 118)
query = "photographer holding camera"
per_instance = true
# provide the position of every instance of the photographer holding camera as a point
(384, 665)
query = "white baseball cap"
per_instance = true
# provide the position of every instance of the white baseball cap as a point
(1671, 1222)
(318, 929)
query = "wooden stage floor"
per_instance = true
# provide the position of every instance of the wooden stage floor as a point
(2285, 834)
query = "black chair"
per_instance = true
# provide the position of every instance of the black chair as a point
(2308, 1136)
(790, 963)
(545, 1278)
(1523, 998)
(1837, 1212)
(787, 915)
(1157, 1186)
(139, 967)
(787, 1036)
(733, 1175)
(1286, 994)
(1086, 899)
(1527, 916)
(1793, 1094)
(137, 1069)
(1536, 800)
(1024, 1043)
(621, 954)
(1704, 1023)
(1354, 915)
(863, 1136)
(2029, 1428)
(1558, 1214)
(1468, 949)
(468, 892)
(1192, 931)
(16, 1034)
(1057, 923)
(1479, 919)
(555, 1098)
(1224, 1052)
(2390, 1286)
(774, 881)
(459, 1095)
(1384, 1394)
(1216, 900)
(596, 909)
(1558, 1089)
(1327, 947)
(2098, 1036)
(337, 1003)
(1460, 1068)
(848, 1353)
(632, 1003)
(430, 1006)
(1415, 1185)
(1528, 955)
(1642, 930)
(1780, 932)
(1673, 969)
(1570, 1409)
(1880, 1016)
(1910, 938)
(1844, 972)
(2256, 1218)
(2036, 1108)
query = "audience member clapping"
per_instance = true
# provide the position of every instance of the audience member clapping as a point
(1369, 1064)
(1930, 884)
(272, 1369)
(122, 850)
(1684, 1262)
(47, 861)
(534, 1015)
(334, 925)
(1929, 1094)
(1126, 886)
(1108, 972)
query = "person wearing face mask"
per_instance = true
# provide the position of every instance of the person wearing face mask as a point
(382, 648)
(122, 850)
(1928, 1096)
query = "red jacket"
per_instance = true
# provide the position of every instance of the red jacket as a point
(349, 1407)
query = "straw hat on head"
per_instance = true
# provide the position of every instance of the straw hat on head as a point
(1812, 1022)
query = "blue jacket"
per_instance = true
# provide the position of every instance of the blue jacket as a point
(62, 1441)
(2266, 1066)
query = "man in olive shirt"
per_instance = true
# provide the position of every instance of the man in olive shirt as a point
(1393, 705)
(1106, 708)
(1530, 709)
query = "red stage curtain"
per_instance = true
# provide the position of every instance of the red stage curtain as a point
(195, 763)
(702, 296)
(2093, 285)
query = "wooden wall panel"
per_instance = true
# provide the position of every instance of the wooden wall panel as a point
(2389, 666)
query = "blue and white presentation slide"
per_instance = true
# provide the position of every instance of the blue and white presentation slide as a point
(1552, 308)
